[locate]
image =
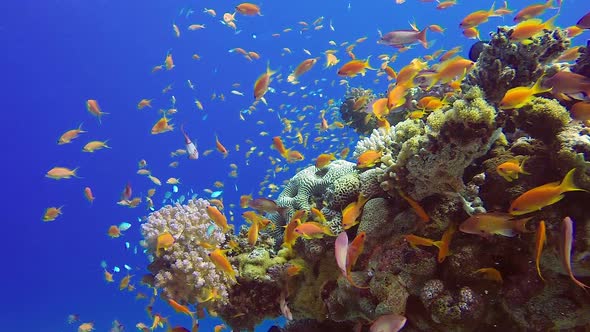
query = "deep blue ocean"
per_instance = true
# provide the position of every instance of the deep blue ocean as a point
(56, 54)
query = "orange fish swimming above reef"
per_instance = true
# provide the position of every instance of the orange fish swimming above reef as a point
(545, 195)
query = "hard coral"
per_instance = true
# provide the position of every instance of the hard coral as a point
(503, 64)
(582, 65)
(430, 158)
(335, 185)
(542, 118)
(184, 269)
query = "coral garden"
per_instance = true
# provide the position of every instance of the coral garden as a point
(420, 249)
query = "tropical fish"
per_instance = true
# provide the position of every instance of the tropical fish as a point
(403, 38)
(545, 195)
(301, 69)
(51, 213)
(219, 259)
(388, 323)
(540, 241)
(88, 194)
(324, 160)
(568, 83)
(162, 126)
(565, 246)
(581, 111)
(520, 96)
(94, 109)
(584, 22)
(490, 273)
(58, 173)
(218, 217)
(262, 83)
(369, 158)
(95, 145)
(416, 206)
(531, 28)
(355, 67)
(144, 103)
(313, 230)
(510, 169)
(353, 211)
(489, 224)
(533, 10)
(478, 17)
(248, 9)
(191, 149)
(220, 147)
(69, 135)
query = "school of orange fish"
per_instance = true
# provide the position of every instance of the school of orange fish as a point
(440, 67)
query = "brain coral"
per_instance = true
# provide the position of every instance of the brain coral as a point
(184, 270)
(335, 185)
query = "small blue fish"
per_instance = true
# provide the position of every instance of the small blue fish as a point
(124, 226)
(167, 195)
(127, 267)
(175, 189)
(181, 199)
(116, 269)
(216, 194)
(126, 245)
(210, 229)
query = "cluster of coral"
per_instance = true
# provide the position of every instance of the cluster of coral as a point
(447, 165)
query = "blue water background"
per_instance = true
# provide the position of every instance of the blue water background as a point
(58, 54)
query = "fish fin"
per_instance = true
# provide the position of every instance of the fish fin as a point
(506, 232)
(422, 38)
(568, 184)
(437, 244)
(520, 225)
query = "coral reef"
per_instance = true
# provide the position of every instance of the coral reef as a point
(582, 65)
(184, 270)
(503, 64)
(336, 185)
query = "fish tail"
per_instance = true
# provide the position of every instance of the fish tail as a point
(367, 65)
(422, 38)
(520, 225)
(568, 183)
(550, 24)
(437, 244)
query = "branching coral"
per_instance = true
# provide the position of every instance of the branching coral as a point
(184, 270)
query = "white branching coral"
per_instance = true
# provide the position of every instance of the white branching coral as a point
(184, 271)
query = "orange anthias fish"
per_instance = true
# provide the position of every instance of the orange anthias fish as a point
(510, 169)
(312, 230)
(169, 62)
(489, 224)
(533, 10)
(262, 83)
(301, 69)
(52, 213)
(220, 147)
(248, 9)
(355, 249)
(520, 96)
(218, 217)
(277, 143)
(490, 273)
(218, 258)
(94, 109)
(58, 173)
(353, 211)
(531, 28)
(416, 206)
(568, 83)
(114, 231)
(69, 135)
(449, 70)
(289, 235)
(144, 103)
(355, 67)
(245, 200)
(88, 194)
(164, 241)
(253, 233)
(565, 246)
(580, 111)
(540, 241)
(477, 18)
(162, 126)
(324, 160)
(369, 158)
(545, 195)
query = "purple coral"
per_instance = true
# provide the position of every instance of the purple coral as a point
(184, 270)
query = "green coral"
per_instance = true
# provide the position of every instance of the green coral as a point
(254, 265)
(542, 118)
